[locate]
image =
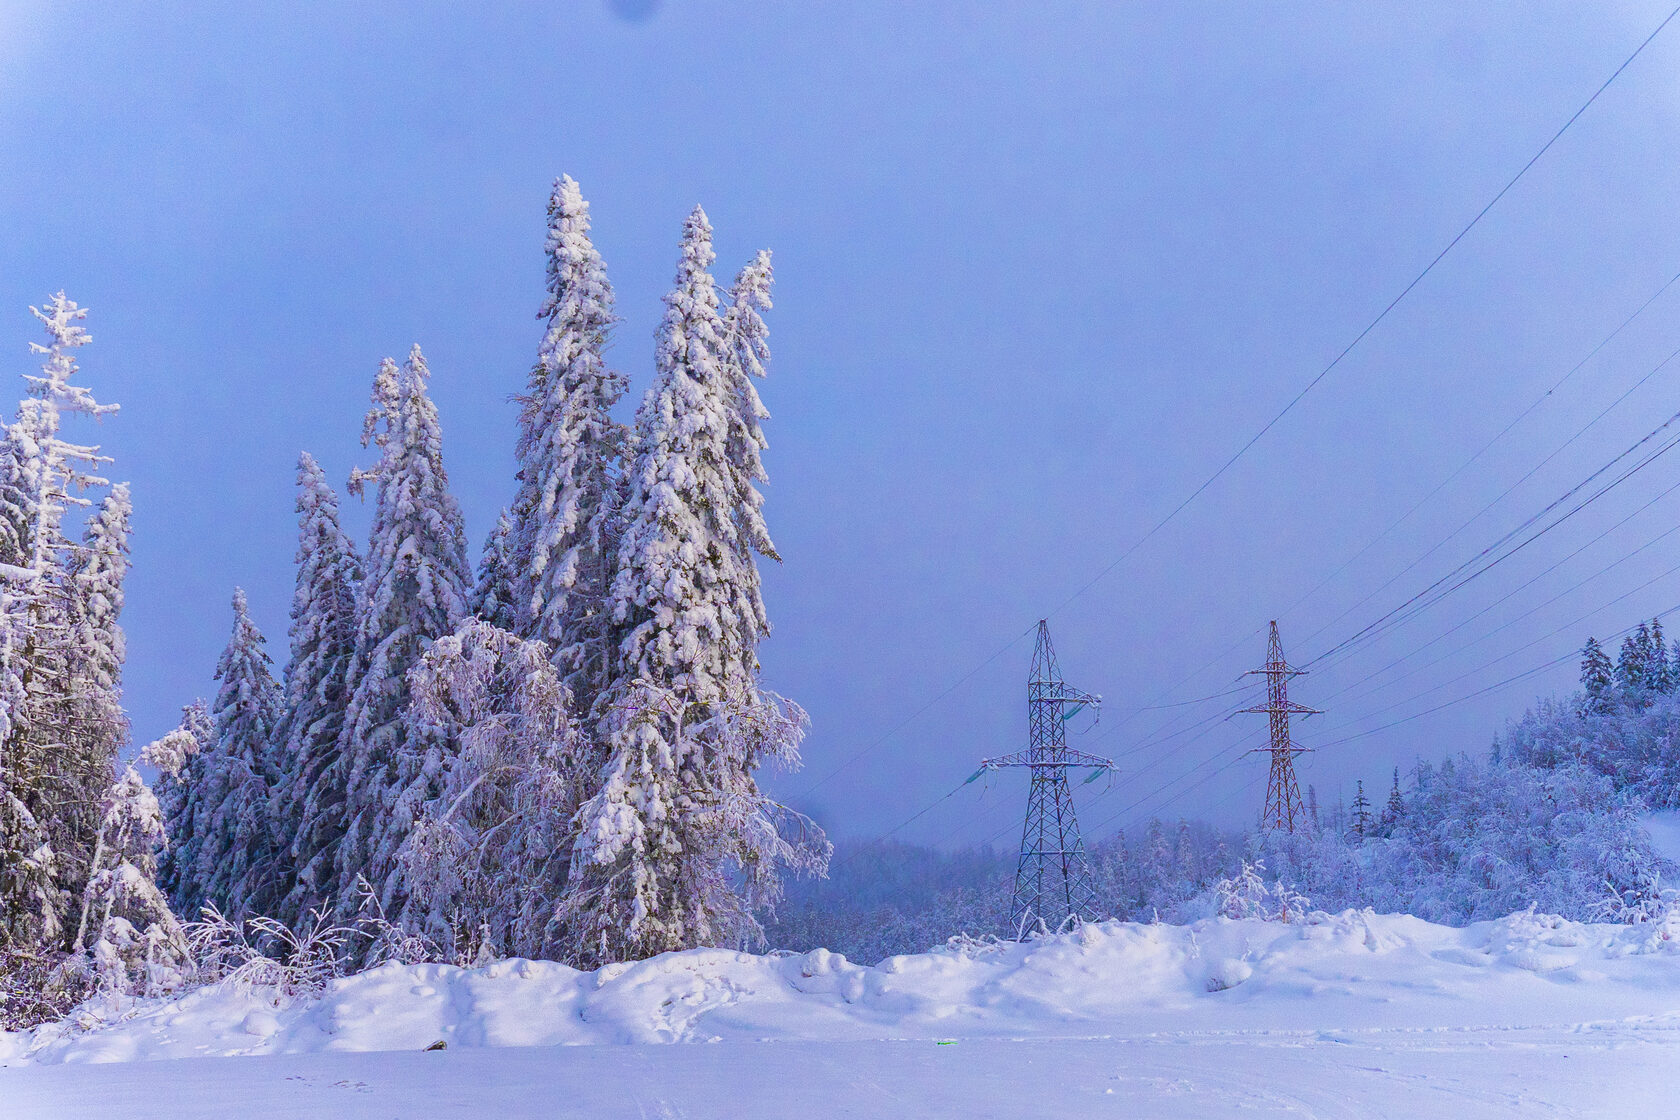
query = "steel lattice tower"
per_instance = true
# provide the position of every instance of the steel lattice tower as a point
(1052, 878)
(1283, 796)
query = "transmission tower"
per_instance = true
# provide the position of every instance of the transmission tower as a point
(1052, 879)
(1283, 796)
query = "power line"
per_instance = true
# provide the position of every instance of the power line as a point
(1653, 542)
(1373, 324)
(918, 815)
(1627, 321)
(1529, 645)
(1157, 737)
(1467, 571)
(1244, 741)
(1483, 450)
(1507, 492)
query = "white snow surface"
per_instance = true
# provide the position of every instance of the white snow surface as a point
(1369, 1011)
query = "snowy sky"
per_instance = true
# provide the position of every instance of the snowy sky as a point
(1039, 272)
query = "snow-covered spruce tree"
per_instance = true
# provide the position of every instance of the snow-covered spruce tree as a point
(495, 596)
(180, 793)
(565, 513)
(51, 764)
(308, 805)
(1598, 680)
(1658, 673)
(1359, 821)
(488, 858)
(133, 940)
(413, 592)
(227, 857)
(1396, 807)
(96, 573)
(1632, 664)
(679, 824)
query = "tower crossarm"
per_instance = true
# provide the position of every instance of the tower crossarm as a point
(1285, 706)
(1058, 758)
(1067, 694)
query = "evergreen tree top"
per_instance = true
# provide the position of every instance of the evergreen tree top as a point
(417, 527)
(62, 319)
(247, 694)
(315, 493)
(691, 306)
(580, 300)
(494, 596)
(328, 568)
(680, 560)
(747, 354)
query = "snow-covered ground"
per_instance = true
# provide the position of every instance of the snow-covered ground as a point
(1351, 1014)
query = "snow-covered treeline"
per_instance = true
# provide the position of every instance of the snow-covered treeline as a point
(883, 898)
(554, 756)
(1549, 817)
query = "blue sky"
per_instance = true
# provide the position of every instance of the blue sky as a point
(1040, 269)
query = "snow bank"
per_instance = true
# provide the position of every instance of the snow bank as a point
(1333, 973)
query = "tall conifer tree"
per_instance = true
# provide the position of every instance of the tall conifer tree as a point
(679, 821)
(1598, 678)
(227, 855)
(564, 517)
(1359, 822)
(308, 807)
(1632, 664)
(1657, 669)
(746, 357)
(414, 591)
(96, 581)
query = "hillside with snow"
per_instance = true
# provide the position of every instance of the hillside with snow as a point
(1346, 1014)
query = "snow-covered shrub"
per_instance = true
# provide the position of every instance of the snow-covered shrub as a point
(486, 859)
(1248, 896)
(383, 940)
(1640, 903)
(262, 953)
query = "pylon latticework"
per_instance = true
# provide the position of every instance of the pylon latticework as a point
(1283, 796)
(1052, 877)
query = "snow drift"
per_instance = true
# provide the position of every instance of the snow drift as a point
(1330, 973)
